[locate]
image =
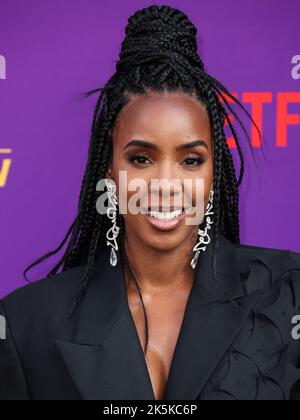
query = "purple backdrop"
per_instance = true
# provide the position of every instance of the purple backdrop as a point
(53, 50)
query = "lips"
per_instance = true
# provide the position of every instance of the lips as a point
(165, 224)
(163, 209)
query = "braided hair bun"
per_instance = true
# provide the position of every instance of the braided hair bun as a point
(158, 35)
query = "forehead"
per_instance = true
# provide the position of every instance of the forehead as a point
(159, 116)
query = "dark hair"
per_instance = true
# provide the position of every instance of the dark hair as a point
(159, 53)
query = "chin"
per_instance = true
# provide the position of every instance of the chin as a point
(163, 241)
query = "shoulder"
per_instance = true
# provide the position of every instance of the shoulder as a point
(277, 274)
(266, 352)
(269, 267)
(272, 256)
(43, 299)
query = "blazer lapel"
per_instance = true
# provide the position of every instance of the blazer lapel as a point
(215, 313)
(105, 359)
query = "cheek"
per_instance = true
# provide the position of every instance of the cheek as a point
(123, 173)
(206, 176)
(136, 196)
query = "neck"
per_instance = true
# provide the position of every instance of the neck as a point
(160, 271)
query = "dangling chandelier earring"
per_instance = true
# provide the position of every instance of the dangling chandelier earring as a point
(113, 232)
(204, 238)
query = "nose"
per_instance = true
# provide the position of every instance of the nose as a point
(166, 182)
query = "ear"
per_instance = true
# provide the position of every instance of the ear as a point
(109, 172)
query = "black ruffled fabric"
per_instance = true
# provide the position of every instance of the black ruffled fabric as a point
(263, 363)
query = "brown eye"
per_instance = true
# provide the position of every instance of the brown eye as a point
(193, 161)
(138, 159)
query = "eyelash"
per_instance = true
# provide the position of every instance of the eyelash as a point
(135, 156)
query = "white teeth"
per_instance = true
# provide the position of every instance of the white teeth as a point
(165, 216)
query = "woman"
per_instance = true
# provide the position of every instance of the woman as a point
(147, 305)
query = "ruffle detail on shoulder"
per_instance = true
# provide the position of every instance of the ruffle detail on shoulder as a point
(263, 363)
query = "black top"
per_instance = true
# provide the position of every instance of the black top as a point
(235, 341)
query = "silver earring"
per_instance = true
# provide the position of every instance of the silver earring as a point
(204, 238)
(113, 232)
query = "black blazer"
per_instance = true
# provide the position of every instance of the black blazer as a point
(235, 341)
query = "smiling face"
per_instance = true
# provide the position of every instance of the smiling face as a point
(163, 136)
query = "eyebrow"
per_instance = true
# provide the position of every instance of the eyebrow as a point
(148, 145)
